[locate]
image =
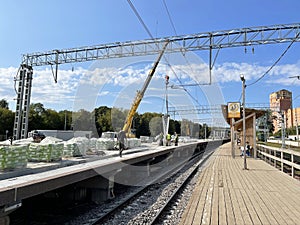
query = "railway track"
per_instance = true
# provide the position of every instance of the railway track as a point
(155, 200)
(150, 204)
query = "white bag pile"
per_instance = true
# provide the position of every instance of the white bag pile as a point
(93, 144)
(12, 157)
(69, 148)
(105, 144)
(51, 140)
(41, 152)
(82, 145)
(25, 141)
(133, 142)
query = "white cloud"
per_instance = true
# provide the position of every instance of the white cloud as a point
(45, 90)
(229, 72)
(104, 93)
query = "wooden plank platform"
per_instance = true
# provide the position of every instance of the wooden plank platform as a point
(227, 194)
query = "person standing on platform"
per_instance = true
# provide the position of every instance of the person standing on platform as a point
(160, 139)
(168, 137)
(242, 150)
(121, 139)
(176, 139)
(248, 147)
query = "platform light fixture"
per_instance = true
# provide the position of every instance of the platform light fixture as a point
(244, 119)
(242, 77)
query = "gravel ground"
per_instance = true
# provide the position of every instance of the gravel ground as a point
(144, 207)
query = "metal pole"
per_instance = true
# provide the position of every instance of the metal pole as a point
(65, 126)
(283, 130)
(244, 122)
(167, 103)
(297, 131)
(232, 139)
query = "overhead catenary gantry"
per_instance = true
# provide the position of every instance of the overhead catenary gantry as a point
(215, 109)
(195, 42)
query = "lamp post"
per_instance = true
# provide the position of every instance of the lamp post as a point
(297, 131)
(65, 125)
(283, 133)
(244, 120)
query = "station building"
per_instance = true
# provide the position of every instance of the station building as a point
(281, 104)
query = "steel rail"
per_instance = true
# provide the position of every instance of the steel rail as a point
(112, 211)
(177, 191)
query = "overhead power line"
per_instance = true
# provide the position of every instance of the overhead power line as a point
(148, 31)
(274, 64)
(170, 18)
(298, 77)
(140, 18)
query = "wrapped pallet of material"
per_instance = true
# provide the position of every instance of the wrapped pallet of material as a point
(51, 140)
(12, 157)
(5, 143)
(56, 151)
(39, 152)
(83, 146)
(93, 144)
(26, 141)
(80, 149)
(69, 148)
(77, 146)
(105, 144)
(133, 142)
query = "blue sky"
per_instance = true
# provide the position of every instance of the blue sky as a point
(38, 26)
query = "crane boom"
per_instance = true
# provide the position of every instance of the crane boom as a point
(140, 94)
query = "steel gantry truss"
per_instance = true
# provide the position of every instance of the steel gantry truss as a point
(202, 41)
(214, 109)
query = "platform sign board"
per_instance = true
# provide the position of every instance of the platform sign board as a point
(234, 110)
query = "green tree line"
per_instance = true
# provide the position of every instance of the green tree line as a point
(100, 120)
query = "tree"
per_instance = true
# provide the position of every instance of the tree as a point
(84, 120)
(6, 121)
(52, 120)
(118, 117)
(66, 120)
(3, 104)
(144, 129)
(36, 117)
(177, 127)
(204, 131)
(155, 126)
(103, 119)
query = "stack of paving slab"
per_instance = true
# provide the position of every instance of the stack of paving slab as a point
(93, 144)
(69, 149)
(133, 143)
(77, 146)
(52, 149)
(12, 157)
(110, 144)
(105, 144)
(45, 152)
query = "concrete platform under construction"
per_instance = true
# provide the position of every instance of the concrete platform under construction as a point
(96, 173)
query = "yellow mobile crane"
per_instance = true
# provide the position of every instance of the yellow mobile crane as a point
(139, 96)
